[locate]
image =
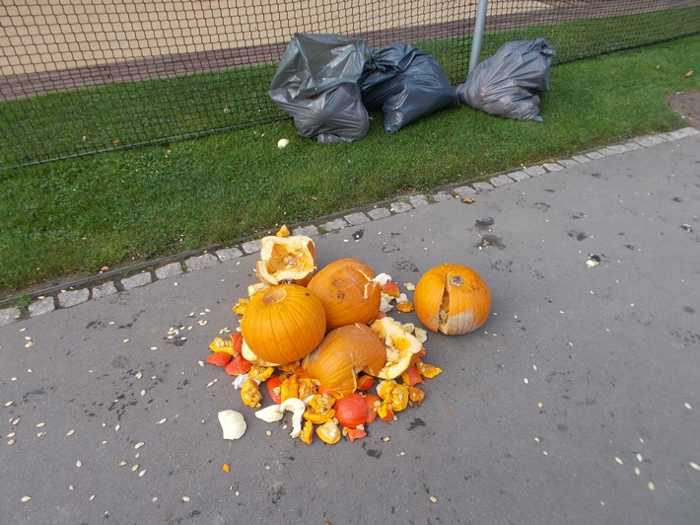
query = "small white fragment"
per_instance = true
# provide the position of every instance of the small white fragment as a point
(694, 466)
(268, 433)
(637, 472)
(126, 340)
(142, 473)
(70, 433)
(238, 382)
(382, 278)
(202, 322)
(92, 497)
(135, 467)
(40, 434)
(71, 487)
(619, 461)
(138, 375)
(143, 393)
(409, 286)
(534, 367)
(282, 143)
(296, 407)
(161, 421)
(232, 424)
(10, 442)
(433, 499)
(639, 457)
(26, 499)
(386, 439)
(651, 486)
(545, 453)
(200, 362)
(16, 420)
(525, 380)
(153, 348)
(122, 463)
(421, 335)
(540, 404)
(117, 427)
(212, 382)
(9, 403)
(78, 463)
(40, 425)
(139, 445)
(154, 499)
(688, 405)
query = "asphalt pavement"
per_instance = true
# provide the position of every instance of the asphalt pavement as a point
(577, 403)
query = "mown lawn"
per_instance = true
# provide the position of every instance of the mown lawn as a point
(76, 215)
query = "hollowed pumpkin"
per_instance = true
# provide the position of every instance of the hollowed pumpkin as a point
(283, 323)
(343, 353)
(347, 291)
(452, 299)
(285, 259)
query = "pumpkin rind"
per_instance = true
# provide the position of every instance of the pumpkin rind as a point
(286, 259)
(343, 353)
(283, 323)
(348, 294)
(452, 299)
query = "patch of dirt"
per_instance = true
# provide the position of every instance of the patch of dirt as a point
(687, 104)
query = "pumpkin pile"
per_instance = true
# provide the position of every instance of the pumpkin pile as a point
(319, 343)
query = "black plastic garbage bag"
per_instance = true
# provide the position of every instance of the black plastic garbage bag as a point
(406, 83)
(508, 83)
(316, 83)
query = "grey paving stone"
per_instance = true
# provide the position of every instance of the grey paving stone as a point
(309, 230)
(73, 297)
(605, 152)
(418, 200)
(533, 171)
(334, 225)
(631, 146)
(463, 191)
(663, 137)
(441, 196)
(648, 141)
(500, 180)
(379, 213)
(9, 315)
(552, 166)
(482, 186)
(581, 158)
(677, 135)
(568, 163)
(594, 155)
(41, 306)
(228, 254)
(357, 218)
(199, 262)
(400, 207)
(103, 290)
(169, 270)
(518, 175)
(689, 131)
(251, 246)
(140, 279)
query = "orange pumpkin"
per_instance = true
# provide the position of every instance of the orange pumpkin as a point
(283, 323)
(286, 259)
(348, 293)
(453, 299)
(343, 353)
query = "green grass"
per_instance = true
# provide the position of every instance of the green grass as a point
(95, 118)
(76, 215)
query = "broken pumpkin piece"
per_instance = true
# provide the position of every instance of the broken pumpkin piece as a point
(391, 288)
(238, 366)
(307, 433)
(355, 433)
(411, 376)
(329, 433)
(452, 299)
(220, 359)
(307, 387)
(222, 345)
(289, 388)
(273, 385)
(399, 398)
(250, 394)
(373, 402)
(240, 306)
(286, 259)
(248, 354)
(321, 403)
(384, 389)
(283, 231)
(364, 383)
(400, 347)
(319, 418)
(428, 371)
(385, 412)
(260, 373)
(415, 395)
(405, 307)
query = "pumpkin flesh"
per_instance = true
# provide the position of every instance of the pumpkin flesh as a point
(286, 259)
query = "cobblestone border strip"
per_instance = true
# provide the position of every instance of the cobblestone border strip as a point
(141, 274)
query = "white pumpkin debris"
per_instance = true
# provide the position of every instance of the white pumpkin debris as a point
(409, 286)
(238, 382)
(212, 382)
(26, 499)
(138, 375)
(122, 463)
(78, 463)
(694, 466)
(232, 423)
(139, 445)
(142, 473)
(688, 406)
(70, 433)
(161, 421)
(639, 457)
(282, 143)
(433, 499)
(382, 278)
(651, 486)
(637, 472)
(186, 499)
(619, 461)
(296, 407)
(593, 261)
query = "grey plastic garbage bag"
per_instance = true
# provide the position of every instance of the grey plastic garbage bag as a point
(508, 83)
(406, 83)
(316, 83)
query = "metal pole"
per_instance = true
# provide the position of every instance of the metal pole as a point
(478, 36)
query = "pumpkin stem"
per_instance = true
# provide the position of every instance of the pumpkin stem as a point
(274, 295)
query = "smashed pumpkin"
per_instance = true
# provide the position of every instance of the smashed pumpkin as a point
(347, 291)
(452, 299)
(286, 259)
(343, 353)
(283, 323)
(400, 344)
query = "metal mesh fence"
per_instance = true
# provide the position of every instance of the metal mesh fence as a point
(83, 76)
